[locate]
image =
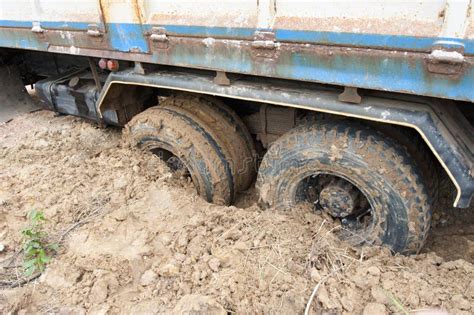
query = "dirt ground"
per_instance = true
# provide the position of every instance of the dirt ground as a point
(136, 239)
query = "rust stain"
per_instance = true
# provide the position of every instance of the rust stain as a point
(137, 11)
(126, 9)
(101, 12)
(104, 7)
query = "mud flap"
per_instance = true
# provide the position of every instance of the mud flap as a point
(14, 98)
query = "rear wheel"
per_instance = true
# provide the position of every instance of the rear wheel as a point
(187, 145)
(356, 175)
(422, 157)
(227, 128)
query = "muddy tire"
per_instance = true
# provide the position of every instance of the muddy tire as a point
(422, 157)
(226, 127)
(355, 173)
(180, 136)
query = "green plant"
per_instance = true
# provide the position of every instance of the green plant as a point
(36, 248)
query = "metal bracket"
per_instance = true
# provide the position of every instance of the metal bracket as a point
(159, 38)
(95, 75)
(37, 28)
(447, 57)
(138, 69)
(94, 31)
(350, 95)
(262, 136)
(264, 44)
(221, 79)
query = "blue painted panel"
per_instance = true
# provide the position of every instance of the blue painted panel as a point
(74, 26)
(127, 37)
(12, 40)
(366, 71)
(135, 31)
(20, 24)
(372, 72)
(380, 74)
(204, 31)
(398, 42)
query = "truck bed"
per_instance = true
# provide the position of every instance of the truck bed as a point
(423, 48)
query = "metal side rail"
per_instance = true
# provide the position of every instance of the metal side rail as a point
(438, 124)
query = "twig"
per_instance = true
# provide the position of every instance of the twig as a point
(19, 283)
(321, 226)
(276, 268)
(77, 224)
(12, 258)
(315, 290)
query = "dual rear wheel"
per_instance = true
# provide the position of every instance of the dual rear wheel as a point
(200, 136)
(355, 174)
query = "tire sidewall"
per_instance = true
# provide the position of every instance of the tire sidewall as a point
(284, 168)
(149, 135)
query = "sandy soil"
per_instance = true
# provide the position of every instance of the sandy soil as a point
(136, 239)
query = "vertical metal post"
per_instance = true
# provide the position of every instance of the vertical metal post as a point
(95, 74)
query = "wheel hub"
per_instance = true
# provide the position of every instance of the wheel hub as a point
(338, 198)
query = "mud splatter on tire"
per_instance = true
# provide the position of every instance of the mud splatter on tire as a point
(399, 208)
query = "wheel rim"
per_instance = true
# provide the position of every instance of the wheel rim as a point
(341, 198)
(166, 153)
(175, 164)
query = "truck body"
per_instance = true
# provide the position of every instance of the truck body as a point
(421, 48)
(402, 64)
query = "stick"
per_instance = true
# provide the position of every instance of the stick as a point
(12, 284)
(316, 288)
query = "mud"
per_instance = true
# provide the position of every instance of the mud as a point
(14, 99)
(138, 239)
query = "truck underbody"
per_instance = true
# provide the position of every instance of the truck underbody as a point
(437, 133)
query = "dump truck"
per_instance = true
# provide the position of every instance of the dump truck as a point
(358, 108)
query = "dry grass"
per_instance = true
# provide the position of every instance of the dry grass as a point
(330, 256)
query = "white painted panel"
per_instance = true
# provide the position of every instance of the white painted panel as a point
(222, 13)
(68, 10)
(456, 18)
(403, 17)
(84, 11)
(18, 10)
